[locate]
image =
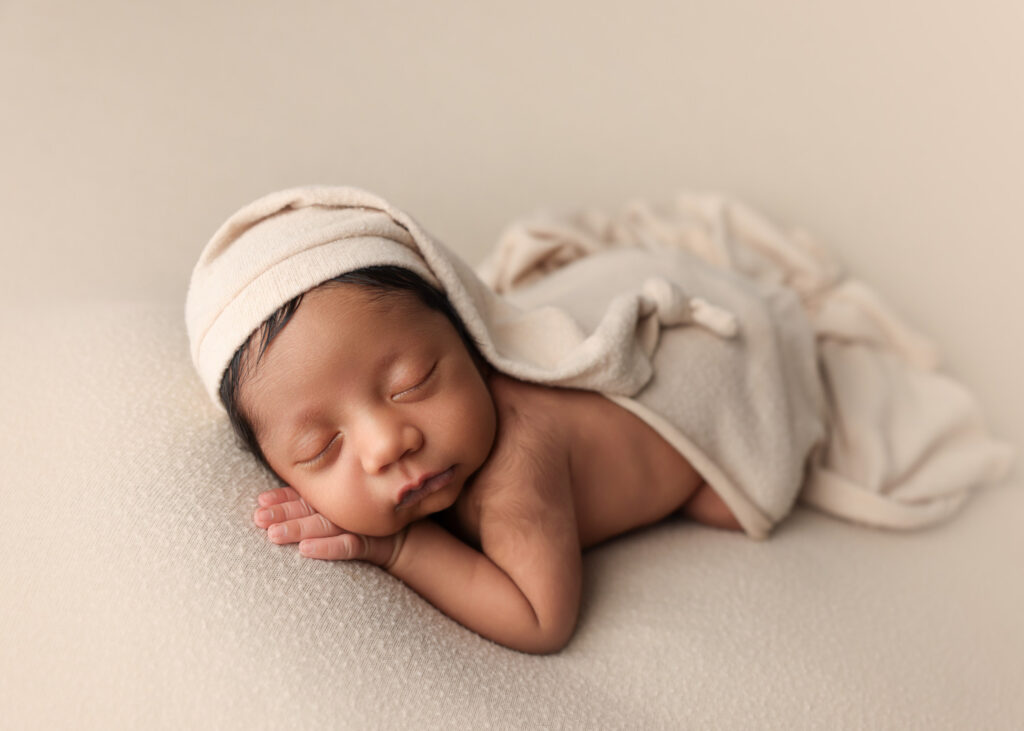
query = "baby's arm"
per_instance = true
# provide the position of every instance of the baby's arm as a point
(523, 593)
(523, 589)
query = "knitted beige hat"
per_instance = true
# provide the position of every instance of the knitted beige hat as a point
(288, 242)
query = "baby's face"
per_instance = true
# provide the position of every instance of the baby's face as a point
(371, 407)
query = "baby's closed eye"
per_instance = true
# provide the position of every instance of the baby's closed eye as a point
(415, 385)
(319, 456)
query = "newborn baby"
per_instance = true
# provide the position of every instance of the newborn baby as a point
(472, 432)
(378, 413)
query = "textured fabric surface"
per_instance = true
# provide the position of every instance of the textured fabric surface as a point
(137, 593)
(898, 443)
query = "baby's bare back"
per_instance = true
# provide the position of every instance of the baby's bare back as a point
(619, 472)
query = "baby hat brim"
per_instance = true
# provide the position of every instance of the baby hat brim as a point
(276, 248)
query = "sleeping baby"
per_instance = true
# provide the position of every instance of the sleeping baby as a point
(472, 433)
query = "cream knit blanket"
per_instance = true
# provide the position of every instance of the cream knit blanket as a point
(903, 444)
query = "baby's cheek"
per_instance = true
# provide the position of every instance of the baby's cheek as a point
(310, 495)
(318, 499)
(339, 506)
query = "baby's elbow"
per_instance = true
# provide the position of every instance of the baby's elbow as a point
(551, 646)
(540, 646)
(547, 639)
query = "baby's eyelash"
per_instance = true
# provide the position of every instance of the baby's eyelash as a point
(421, 383)
(323, 453)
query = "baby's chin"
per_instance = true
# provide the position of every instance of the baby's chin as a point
(438, 505)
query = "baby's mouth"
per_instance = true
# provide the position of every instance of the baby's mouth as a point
(410, 495)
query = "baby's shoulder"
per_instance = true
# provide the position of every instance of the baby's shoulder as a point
(527, 471)
(530, 439)
(529, 409)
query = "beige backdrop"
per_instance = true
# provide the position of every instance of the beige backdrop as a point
(890, 130)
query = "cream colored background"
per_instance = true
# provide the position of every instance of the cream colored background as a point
(891, 131)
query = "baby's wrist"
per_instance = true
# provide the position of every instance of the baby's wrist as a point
(399, 541)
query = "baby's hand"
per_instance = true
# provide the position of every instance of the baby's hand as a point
(288, 518)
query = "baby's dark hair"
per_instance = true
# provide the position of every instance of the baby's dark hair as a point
(383, 281)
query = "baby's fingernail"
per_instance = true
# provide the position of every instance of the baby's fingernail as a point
(277, 532)
(306, 548)
(264, 514)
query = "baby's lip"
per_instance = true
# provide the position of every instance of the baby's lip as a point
(413, 492)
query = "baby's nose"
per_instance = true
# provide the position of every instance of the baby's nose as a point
(388, 443)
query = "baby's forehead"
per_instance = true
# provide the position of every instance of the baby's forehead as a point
(361, 323)
(367, 301)
(373, 314)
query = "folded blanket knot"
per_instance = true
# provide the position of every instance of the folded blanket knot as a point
(672, 307)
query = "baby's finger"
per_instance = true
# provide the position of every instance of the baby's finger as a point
(292, 531)
(277, 495)
(350, 546)
(265, 517)
(336, 548)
